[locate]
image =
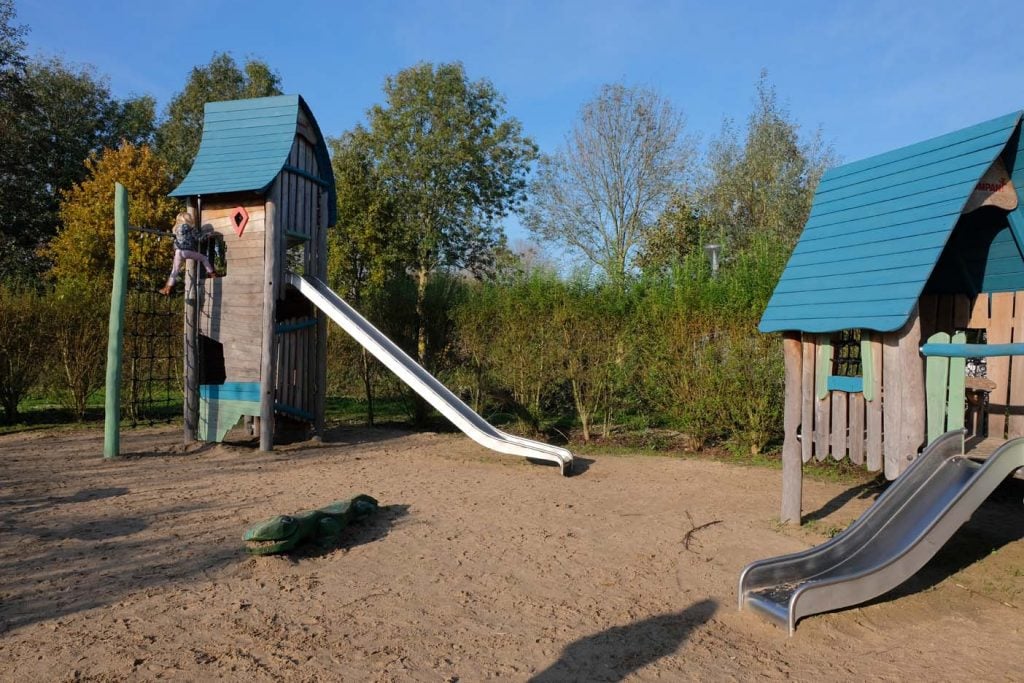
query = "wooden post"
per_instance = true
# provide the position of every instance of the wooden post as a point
(792, 462)
(115, 330)
(874, 406)
(271, 282)
(192, 340)
(320, 373)
(912, 429)
(892, 404)
(807, 401)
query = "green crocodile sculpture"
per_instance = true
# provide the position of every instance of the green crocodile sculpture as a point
(323, 526)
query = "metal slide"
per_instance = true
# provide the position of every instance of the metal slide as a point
(421, 381)
(897, 535)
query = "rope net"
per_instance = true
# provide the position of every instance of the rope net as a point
(152, 384)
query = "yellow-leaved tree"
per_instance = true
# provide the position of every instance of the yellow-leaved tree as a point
(84, 247)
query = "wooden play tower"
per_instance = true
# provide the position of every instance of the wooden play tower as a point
(262, 187)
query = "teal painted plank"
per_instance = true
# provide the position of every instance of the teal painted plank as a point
(950, 209)
(895, 275)
(919, 258)
(876, 235)
(243, 391)
(889, 306)
(910, 192)
(249, 114)
(252, 103)
(279, 130)
(279, 122)
(843, 295)
(851, 385)
(994, 141)
(1005, 122)
(892, 208)
(834, 324)
(872, 250)
(295, 412)
(296, 326)
(910, 180)
(972, 350)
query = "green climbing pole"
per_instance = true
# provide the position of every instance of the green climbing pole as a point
(115, 335)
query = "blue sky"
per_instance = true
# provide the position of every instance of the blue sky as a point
(872, 75)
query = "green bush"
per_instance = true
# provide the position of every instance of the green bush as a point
(78, 313)
(24, 343)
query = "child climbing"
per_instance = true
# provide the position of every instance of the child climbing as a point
(186, 245)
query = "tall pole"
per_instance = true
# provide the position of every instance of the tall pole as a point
(115, 330)
(192, 340)
(272, 248)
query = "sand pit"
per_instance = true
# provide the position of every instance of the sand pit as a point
(481, 567)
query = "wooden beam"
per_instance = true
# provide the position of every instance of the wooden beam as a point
(191, 339)
(912, 428)
(792, 462)
(271, 283)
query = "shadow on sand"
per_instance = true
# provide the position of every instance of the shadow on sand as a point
(614, 654)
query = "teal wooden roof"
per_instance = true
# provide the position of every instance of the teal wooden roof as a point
(246, 143)
(877, 229)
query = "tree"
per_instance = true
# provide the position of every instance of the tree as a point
(14, 156)
(452, 164)
(362, 254)
(177, 138)
(23, 343)
(601, 193)
(766, 183)
(62, 114)
(84, 248)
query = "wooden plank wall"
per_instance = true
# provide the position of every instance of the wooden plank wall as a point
(887, 434)
(300, 358)
(232, 310)
(840, 424)
(1002, 315)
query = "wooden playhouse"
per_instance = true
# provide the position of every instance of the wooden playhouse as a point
(923, 243)
(262, 185)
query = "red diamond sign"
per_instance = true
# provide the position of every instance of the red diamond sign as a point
(239, 219)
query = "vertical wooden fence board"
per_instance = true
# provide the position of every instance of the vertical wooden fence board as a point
(892, 386)
(943, 314)
(856, 438)
(792, 464)
(873, 409)
(936, 386)
(957, 380)
(912, 426)
(1000, 324)
(838, 441)
(807, 429)
(979, 313)
(928, 304)
(822, 406)
(961, 311)
(1015, 422)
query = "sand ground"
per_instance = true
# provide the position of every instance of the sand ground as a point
(479, 567)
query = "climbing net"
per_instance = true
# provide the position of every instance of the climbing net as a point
(151, 380)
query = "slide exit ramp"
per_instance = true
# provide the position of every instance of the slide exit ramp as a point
(421, 381)
(891, 541)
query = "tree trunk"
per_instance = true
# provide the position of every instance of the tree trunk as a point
(420, 406)
(368, 386)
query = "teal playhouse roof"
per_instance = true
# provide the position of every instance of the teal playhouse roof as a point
(878, 227)
(246, 143)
